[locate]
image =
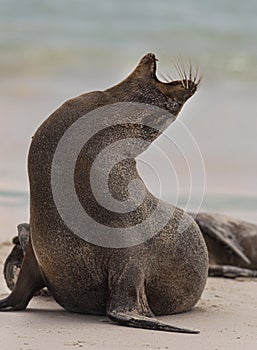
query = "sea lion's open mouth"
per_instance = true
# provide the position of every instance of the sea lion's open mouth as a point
(179, 86)
(175, 89)
(185, 74)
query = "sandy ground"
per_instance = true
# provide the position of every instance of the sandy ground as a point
(226, 317)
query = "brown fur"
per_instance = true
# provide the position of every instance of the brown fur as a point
(163, 275)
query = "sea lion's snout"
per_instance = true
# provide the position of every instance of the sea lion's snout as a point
(176, 89)
(179, 89)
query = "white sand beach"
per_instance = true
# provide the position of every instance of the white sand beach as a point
(53, 50)
(226, 317)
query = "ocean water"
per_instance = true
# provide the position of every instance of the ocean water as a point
(38, 36)
(53, 50)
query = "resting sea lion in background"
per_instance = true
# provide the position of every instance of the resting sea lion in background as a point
(130, 283)
(14, 260)
(13, 263)
(231, 244)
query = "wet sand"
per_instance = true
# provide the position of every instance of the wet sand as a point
(226, 317)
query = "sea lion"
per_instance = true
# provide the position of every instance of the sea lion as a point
(14, 260)
(231, 244)
(134, 277)
(13, 263)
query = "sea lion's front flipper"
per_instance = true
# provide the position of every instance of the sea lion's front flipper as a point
(128, 305)
(230, 271)
(28, 283)
(220, 228)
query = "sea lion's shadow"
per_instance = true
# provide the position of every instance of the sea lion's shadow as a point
(64, 316)
(57, 315)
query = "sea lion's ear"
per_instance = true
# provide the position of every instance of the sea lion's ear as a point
(147, 66)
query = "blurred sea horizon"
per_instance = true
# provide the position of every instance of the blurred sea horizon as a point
(52, 51)
(39, 37)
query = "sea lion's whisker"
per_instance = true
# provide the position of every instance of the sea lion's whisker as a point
(190, 69)
(178, 70)
(198, 83)
(165, 78)
(170, 77)
(180, 73)
(185, 67)
(184, 70)
(187, 73)
(196, 74)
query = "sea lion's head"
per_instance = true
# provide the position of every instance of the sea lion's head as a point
(175, 92)
(149, 104)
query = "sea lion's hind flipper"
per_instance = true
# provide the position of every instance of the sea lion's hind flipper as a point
(29, 282)
(128, 304)
(230, 271)
(138, 321)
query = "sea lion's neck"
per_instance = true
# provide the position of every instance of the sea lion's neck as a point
(112, 192)
(137, 90)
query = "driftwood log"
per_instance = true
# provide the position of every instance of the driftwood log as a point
(231, 243)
